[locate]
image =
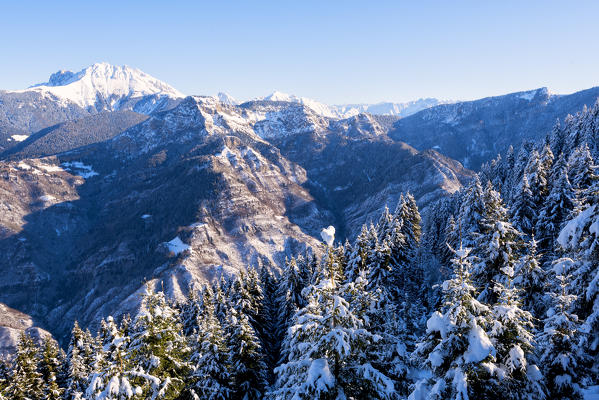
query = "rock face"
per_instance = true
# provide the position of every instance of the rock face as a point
(473, 132)
(204, 189)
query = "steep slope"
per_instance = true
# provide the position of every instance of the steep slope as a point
(72, 134)
(476, 131)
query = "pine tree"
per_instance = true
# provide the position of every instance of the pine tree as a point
(289, 295)
(470, 214)
(79, 362)
(190, 311)
(513, 339)
(561, 357)
(4, 374)
(158, 351)
(211, 377)
(407, 274)
(270, 342)
(524, 208)
(537, 171)
(25, 381)
(497, 245)
(531, 279)
(50, 366)
(111, 379)
(248, 370)
(581, 171)
(559, 205)
(452, 239)
(456, 348)
(328, 346)
(580, 240)
(358, 259)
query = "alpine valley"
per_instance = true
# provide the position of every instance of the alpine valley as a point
(119, 193)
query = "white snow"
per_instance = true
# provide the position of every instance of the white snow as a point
(328, 235)
(570, 234)
(23, 166)
(47, 198)
(528, 95)
(320, 376)
(177, 246)
(225, 98)
(84, 171)
(227, 155)
(479, 345)
(51, 168)
(110, 82)
(19, 138)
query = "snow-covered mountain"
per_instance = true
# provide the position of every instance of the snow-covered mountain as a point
(388, 108)
(69, 96)
(350, 110)
(103, 83)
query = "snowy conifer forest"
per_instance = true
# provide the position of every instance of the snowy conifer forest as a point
(494, 295)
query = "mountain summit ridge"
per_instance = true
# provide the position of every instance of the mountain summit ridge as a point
(110, 82)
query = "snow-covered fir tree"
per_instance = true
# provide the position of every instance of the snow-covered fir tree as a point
(50, 366)
(211, 376)
(25, 381)
(158, 351)
(530, 278)
(80, 360)
(111, 379)
(512, 336)
(497, 245)
(562, 358)
(524, 208)
(248, 369)
(456, 349)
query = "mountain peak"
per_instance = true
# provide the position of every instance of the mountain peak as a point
(103, 80)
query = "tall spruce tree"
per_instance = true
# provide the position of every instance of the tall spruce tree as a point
(158, 351)
(80, 360)
(211, 376)
(111, 379)
(497, 245)
(530, 278)
(50, 365)
(248, 369)
(512, 336)
(456, 348)
(25, 380)
(523, 208)
(561, 358)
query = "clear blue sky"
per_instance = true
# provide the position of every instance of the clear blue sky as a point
(333, 51)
